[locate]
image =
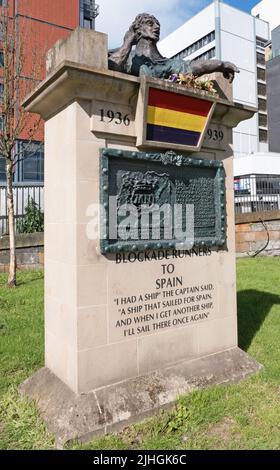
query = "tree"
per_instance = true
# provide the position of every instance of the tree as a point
(19, 76)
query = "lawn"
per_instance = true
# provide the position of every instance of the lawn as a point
(243, 416)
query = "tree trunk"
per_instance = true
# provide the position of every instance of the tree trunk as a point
(11, 223)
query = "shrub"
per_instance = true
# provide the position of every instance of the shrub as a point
(33, 219)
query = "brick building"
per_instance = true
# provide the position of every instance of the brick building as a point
(38, 25)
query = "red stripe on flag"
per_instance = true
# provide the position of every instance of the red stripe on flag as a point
(185, 104)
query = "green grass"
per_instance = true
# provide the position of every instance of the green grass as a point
(243, 416)
(21, 353)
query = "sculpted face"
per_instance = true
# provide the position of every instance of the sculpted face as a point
(148, 28)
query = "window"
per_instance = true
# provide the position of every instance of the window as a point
(196, 46)
(261, 74)
(260, 59)
(2, 170)
(262, 135)
(87, 23)
(3, 3)
(268, 185)
(1, 59)
(207, 55)
(2, 26)
(262, 104)
(89, 11)
(262, 120)
(32, 164)
(261, 42)
(261, 89)
(1, 122)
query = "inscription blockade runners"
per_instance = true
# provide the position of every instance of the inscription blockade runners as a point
(160, 200)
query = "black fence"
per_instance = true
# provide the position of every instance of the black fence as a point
(256, 193)
(22, 194)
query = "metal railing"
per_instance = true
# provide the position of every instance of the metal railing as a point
(22, 194)
(256, 193)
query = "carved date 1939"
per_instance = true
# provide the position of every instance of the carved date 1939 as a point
(114, 116)
(215, 135)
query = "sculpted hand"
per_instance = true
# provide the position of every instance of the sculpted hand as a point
(229, 70)
(131, 36)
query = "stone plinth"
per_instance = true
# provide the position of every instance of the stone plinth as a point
(87, 294)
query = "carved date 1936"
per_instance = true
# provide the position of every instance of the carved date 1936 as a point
(114, 116)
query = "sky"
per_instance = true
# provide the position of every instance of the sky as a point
(117, 15)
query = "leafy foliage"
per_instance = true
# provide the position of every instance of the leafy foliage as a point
(33, 220)
(178, 418)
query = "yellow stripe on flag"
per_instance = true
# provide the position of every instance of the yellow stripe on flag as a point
(176, 119)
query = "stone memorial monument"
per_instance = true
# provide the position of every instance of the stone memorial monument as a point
(140, 290)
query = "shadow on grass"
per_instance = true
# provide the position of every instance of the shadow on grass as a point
(252, 307)
(38, 277)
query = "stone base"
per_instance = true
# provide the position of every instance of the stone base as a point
(81, 417)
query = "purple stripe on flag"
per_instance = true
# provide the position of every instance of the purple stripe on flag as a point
(172, 135)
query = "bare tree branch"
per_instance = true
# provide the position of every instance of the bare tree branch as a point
(19, 77)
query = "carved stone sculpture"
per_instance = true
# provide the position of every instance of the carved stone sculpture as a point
(146, 59)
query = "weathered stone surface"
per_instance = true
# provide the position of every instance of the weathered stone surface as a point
(242, 247)
(30, 247)
(26, 257)
(83, 46)
(70, 416)
(258, 245)
(223, 86)
(23, 240)
(257, 236)
(256, 217)
(242, 228)
(273, 225)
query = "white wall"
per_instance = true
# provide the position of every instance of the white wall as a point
(237, 22)
(258, 164)
(244, 144)
(245, 88)
(269, 10)
(245, 137)
(263, 28)
(238, 45)
(263, 147)
(190, 32)
(241, 51)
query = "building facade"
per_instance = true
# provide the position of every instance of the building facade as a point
(273, 81)
(223, 32)
(39, 24)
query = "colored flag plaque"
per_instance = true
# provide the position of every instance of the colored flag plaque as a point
(172, 118)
